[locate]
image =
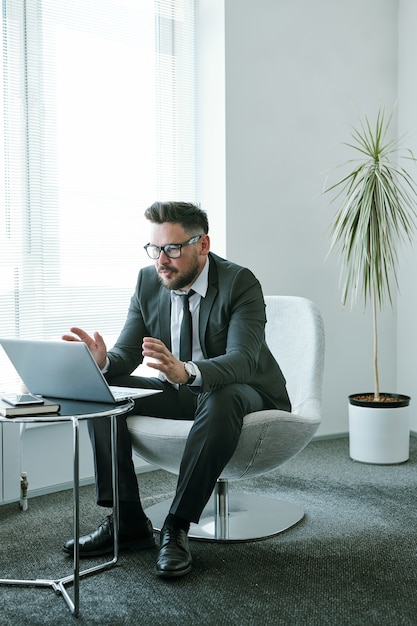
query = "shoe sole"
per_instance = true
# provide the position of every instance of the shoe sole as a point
(143, 544)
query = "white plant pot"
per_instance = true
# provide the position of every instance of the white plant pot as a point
(379, 435)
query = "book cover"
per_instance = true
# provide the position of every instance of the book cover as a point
(7, 410)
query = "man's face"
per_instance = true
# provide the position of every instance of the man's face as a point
(178, 273)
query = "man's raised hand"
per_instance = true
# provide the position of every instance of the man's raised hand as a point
(96, 344)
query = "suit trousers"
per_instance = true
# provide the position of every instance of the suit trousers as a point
(217, 416)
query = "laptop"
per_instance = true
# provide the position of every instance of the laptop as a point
(64, 369)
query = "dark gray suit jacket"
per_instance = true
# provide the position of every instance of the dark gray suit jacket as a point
(232, 331)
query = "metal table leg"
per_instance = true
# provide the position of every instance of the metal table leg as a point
(58, 584)
(75, 578)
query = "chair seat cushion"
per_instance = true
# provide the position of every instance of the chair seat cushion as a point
(268, 439)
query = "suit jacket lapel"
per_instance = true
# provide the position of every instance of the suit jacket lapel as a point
(206, 303)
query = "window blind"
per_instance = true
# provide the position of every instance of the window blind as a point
(98, 123)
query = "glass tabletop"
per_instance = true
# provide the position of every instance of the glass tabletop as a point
(73, 409)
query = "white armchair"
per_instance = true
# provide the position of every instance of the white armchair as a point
(295, 335)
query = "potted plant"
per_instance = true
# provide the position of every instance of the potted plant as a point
(375, 214)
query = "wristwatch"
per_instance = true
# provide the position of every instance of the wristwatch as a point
(191, 371)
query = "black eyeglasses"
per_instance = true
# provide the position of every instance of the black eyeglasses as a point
(171, 250)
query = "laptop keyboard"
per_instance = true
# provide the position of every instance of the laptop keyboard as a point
(119, 393)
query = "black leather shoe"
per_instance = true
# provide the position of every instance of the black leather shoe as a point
(174, 558)
(101, 541)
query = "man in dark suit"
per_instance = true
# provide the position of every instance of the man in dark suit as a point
(224, 373)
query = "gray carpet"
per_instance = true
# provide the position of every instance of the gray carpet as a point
(351, 560)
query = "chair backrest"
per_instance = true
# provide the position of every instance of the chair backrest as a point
(295, 336)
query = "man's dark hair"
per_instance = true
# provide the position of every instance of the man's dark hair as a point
(190, 216)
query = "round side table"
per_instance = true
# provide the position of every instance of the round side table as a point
(74, 412)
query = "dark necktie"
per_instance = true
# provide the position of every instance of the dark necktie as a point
(186, 333)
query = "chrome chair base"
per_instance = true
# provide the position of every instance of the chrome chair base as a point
(236, 517)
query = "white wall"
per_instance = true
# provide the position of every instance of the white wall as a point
(407, 302)
(295, 71)
(211, 170)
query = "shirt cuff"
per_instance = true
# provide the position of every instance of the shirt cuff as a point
(106, 367)
(198, 379)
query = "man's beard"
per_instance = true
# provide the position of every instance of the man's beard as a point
(181, 281)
